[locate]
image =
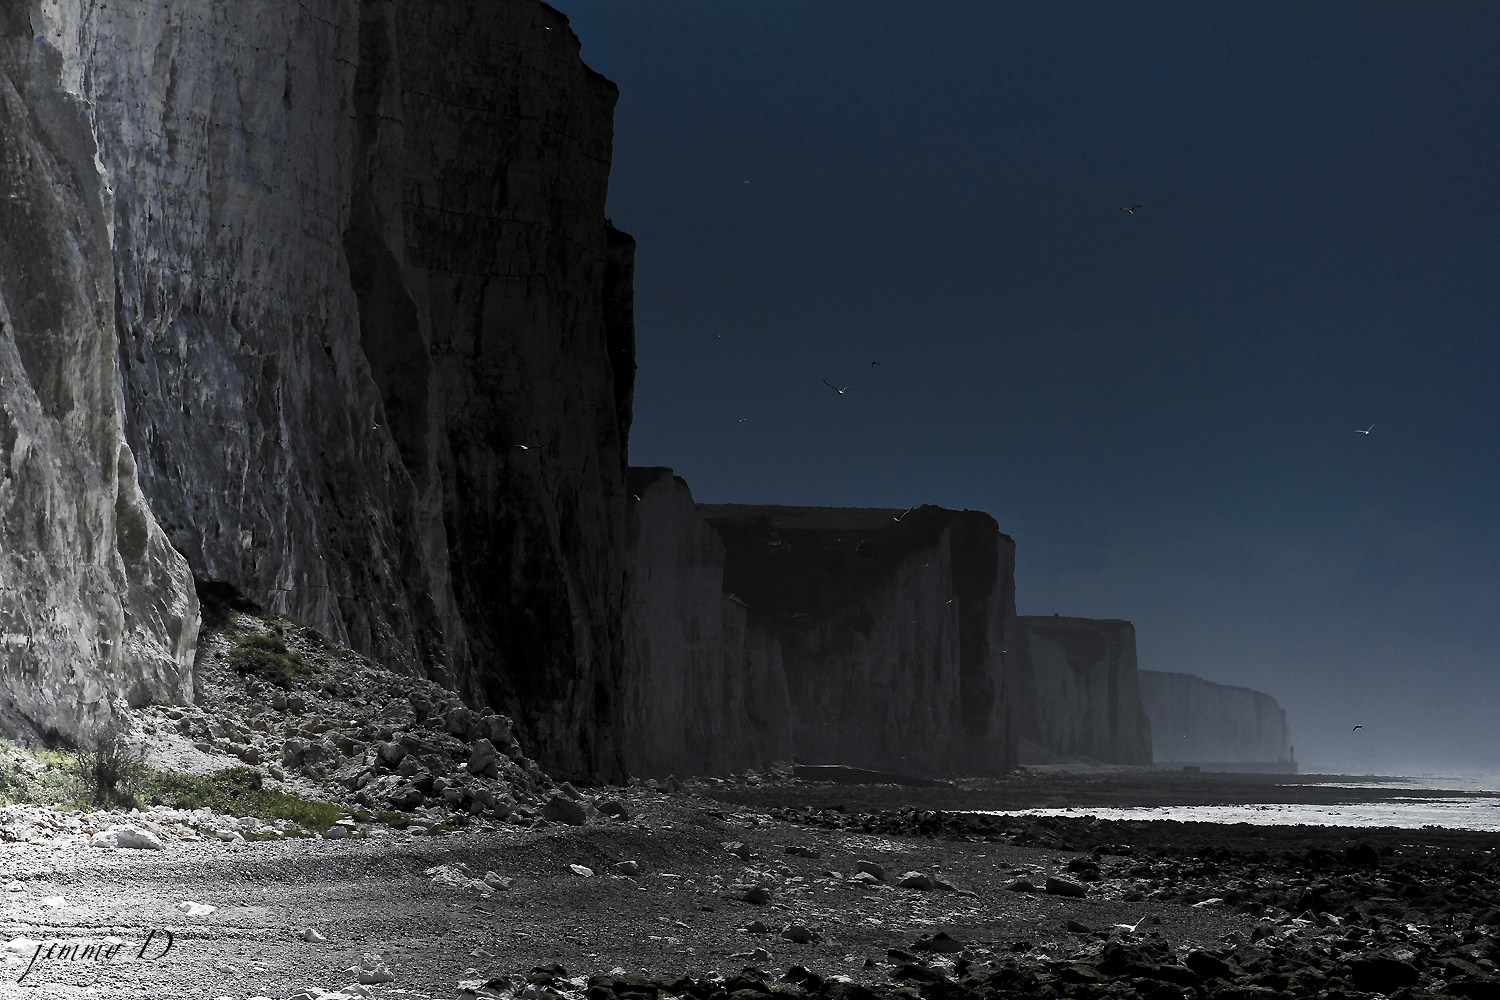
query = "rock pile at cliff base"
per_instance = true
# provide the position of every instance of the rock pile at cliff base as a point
(323, 722)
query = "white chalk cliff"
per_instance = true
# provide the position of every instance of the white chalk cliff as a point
(832, 635)
(1076, 689)
(1198, 721)
(318, 301)
(284, 290)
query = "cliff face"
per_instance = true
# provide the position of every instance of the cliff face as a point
(1198, 721)
(94, 604)
(1076, 689)
(707, 693)
(323, 296)
(835, 635)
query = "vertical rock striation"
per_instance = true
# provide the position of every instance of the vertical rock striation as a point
(1194, 721)
(332, 283)
(94, 604)
(1077, 691)
(523, 300)
(707, 693)
(837, 635)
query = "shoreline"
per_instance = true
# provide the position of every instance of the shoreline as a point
(1213, 910)
(1135, 789)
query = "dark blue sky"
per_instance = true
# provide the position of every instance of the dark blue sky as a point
(1158, 407)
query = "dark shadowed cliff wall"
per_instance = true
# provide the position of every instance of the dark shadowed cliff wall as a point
(1194, 721)
(323, 295)
(838, 635)
(1076, 689)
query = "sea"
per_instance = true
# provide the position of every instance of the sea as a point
(1477, 809)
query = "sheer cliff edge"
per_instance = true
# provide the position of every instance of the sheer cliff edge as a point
(319, 301)
(832, 635)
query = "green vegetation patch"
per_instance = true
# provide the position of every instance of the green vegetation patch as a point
(237, 791)
(267, 657)
(67, 779)
(50, 780)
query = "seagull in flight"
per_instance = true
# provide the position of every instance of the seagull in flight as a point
(524, 447)
(1130, 210)
(742, 420)
(904, 513)
(877, 364)
(837, 389)
(1356, 727)
(1367, 429)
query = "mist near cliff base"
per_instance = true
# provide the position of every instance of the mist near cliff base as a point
(1159, 407)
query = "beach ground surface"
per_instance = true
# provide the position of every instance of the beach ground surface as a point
(772, 876)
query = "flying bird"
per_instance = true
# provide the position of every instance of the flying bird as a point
(524, 447)
(1130, 210)
(877, 364)
(742, 420)
(904, 513)
(1356, 727)
(837, 389)
(1367, 429)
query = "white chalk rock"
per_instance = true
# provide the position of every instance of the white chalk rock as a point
(127, 836)
(379, 974)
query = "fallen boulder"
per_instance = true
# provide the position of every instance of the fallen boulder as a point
(127, 836)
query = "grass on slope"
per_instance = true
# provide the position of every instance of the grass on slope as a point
(64, 779)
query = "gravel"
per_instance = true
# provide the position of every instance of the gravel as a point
(490, 905)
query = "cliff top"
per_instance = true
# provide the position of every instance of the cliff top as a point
(1070, 621)
(784, 518)
(1151, 675)
(800, 561)
(805, 518)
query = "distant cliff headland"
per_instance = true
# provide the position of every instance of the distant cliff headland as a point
(321, 303)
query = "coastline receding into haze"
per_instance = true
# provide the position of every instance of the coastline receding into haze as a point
(1160, 407)
(751, 500)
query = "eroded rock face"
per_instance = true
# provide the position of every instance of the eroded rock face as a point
(94, 604)
(1076, 689)
(340, 273)
(1200, 722)
(707, 693)
(836, 635)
